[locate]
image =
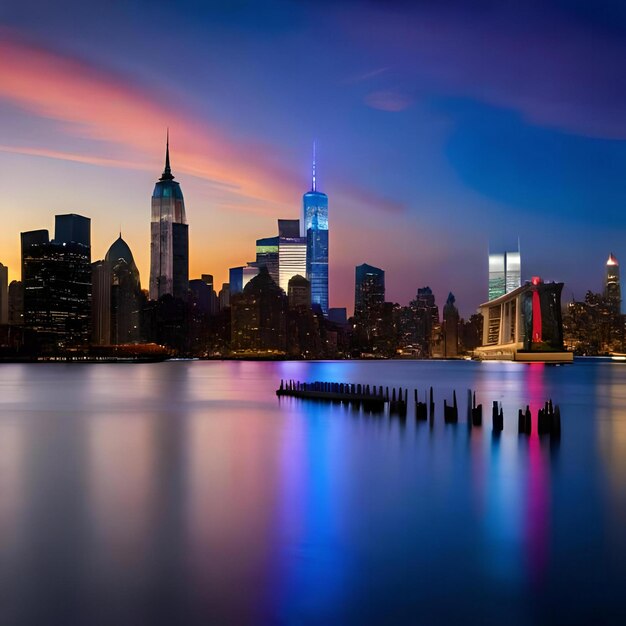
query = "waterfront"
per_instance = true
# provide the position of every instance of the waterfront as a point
(186, 492)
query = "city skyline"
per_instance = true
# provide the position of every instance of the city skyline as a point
(434, 151)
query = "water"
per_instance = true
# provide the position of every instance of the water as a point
(187, 493)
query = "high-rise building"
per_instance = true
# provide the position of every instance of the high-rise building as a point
(56, 277)
(450, 328)
(369, 289)
(16, 303)
(4, 294)
(259, 316)
(267, 256)
(292, 252)
(299, 292)
(505, 273)
(239, 277)
(100, 303)
(315, 228)
(369, 300)
(169, 238)
(612, 286)
(224, 296)
(426, 318)
(126, 296)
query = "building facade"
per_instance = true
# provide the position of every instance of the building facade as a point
(169, 238)
(315, 228)
(505, 273)
(292, 252)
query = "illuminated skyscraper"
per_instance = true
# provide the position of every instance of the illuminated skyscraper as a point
(505, 273)
(292, 252)
(315, 228)
(612, 287)
(169, 238)
(267, 256)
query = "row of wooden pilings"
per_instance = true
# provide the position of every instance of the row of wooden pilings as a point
(374, 399)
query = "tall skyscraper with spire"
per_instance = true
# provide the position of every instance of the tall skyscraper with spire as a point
(314, 227)
(612, 287)
(169, 237)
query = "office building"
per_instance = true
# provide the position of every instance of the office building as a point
(169, 238)
(369, 298)
(239, 277)
(56, 277)
(267, 256)
(292, 252)
(505, 273)
(315, 228)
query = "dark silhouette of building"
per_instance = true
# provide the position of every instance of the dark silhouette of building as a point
(4, 294)
(450, 329)
(259, 317)
(169, 242)
(612, 287)
(56, 276)
(16, 303)
(299, 292)
(224, 296)
(426, 318)
(338, 315)
(126, 295)
(100, 303)
(369, 298)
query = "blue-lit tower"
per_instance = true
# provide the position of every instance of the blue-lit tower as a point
(315, 228)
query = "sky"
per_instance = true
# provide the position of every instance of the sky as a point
(443, 130)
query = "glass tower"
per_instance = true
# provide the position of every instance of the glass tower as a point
(315, 228)
(169, 238)
(505, 273)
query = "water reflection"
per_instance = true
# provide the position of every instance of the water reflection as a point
(189, 493)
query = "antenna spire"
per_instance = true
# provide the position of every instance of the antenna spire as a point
(167, 172)
(314, 185)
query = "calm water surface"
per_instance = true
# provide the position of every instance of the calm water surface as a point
(187, 493)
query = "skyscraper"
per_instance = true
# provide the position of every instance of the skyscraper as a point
(16, 303)
(450, 328)
(4, 294)
(292, 252)
(169, 238)
(56, 277)
(100, 303)
(369, 299)
(612, 287)
(299, 292)
(267, 256)
(369, 289)
(315, 228)
(126, 297)
(505, 273)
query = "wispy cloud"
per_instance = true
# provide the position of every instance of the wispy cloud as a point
(388, 100)
(115, 112)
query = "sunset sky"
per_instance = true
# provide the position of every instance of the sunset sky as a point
(441, 131)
